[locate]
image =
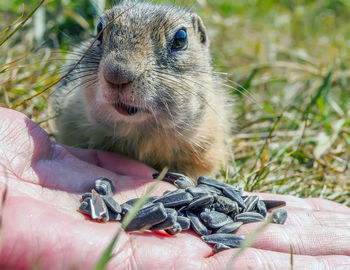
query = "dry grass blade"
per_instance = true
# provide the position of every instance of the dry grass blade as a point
(107, 255)
(248, 242)
(75, 65)
(263, 154)
(13, 23)
(21, 24)
(13, 62)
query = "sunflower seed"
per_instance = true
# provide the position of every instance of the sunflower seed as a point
(249, 217)
(261, 208)
(98, 208)
(184, 222)
(171, 177)
(235, 196)
(271, 204)
(211, 189)
(85, 207)
(173, 199)
(217, 184)
(112, 204)
(196, 224)
(208, 208)
(214, 220)
(104, 186)
(147, 217)
(210, 182)
(149, 200)
(181, 183)
(211, 207)
(225, 205)
(219, 247)
(231, 240)
(279, 216)
(86, 195)
(230, 227)
(176, 228)
(114, 216)
(125, 208)
(197, 191)
(168, 222)
(250, 203)
(200, 202)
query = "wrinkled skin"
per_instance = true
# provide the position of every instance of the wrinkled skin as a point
(41, 227)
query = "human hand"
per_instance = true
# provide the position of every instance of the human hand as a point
(41, 227)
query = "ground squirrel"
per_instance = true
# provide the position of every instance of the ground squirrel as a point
(147, 90)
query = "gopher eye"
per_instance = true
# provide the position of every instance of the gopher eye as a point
(179, 41)
(99, 28)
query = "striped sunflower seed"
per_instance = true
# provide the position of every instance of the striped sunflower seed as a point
(104, 186)
(214, 219)
(231, 240)
(196, 224)
(249, 217)
(147, 217)
(230, 227)
(279, 216)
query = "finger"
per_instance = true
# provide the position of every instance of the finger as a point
(112, 162)
(308, 203)
(257, 259)
(310, 240)
(301, 217)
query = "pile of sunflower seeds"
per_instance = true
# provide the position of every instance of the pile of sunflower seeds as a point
(212, 209)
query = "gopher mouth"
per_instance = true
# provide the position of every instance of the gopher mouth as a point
(125, 109)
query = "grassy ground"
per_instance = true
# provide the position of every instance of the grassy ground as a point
(287, 64)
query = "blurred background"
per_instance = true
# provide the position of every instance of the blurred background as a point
(286, 64)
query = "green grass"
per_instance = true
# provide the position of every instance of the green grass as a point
(288, 70)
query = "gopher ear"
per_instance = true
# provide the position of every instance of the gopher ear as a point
(199, 28)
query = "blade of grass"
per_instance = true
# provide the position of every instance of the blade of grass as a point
(248, 242)
(14, 61)
(321, 89)
(13, 23)
(74, 66)
(107, 254)
(264, 147)
(22, 23)
(248, 82)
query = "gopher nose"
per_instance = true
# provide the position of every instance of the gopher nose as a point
(116, 73)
